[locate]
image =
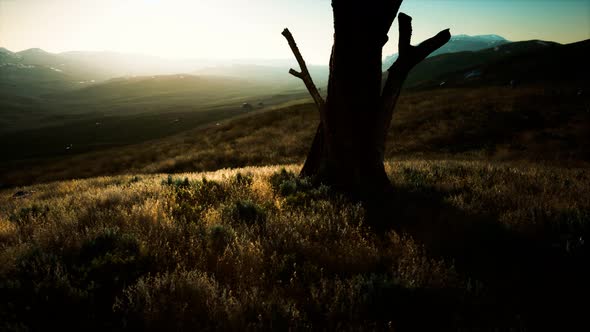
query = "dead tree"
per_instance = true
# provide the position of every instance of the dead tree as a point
(348, 149)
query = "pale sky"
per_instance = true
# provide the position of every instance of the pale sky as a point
(234, 29)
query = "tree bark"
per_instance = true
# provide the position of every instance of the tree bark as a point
(348, 149)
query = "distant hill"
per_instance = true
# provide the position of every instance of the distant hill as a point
(31, 73)
(179, 89)
(532, 61)
(34, 72)
(485, 59)
(79, 69)
(459, 43)
(276, 75)
(7, 56)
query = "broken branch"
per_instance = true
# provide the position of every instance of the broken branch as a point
(304, 74)
(295, 73)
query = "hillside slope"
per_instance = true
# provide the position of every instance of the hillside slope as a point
(125, 111)
(531, 62)
(475, 246)
(458, 43)
(524, 123)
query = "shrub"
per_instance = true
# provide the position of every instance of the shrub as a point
(40, 294)
(219, 237)
(29, 213)
(242, 180)
(245, 211)
(72, 287)
(110, 261)
(181, 300)
(192, 198)
(176, 183)
(297, 191)
(277, 180)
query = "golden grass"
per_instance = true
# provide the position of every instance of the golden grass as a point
(469, 249)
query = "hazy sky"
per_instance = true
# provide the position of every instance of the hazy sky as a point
(251, 28)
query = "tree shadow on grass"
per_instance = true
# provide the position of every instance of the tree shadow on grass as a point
(511, 281)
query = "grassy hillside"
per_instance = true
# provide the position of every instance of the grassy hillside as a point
(44, 122)
(124, 111)
(476, 246)
(197, 90)
(531, 62)
(496, 123)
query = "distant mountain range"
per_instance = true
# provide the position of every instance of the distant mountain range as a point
(485, 59)
(99, 66)
(459, 43)
(35, 71)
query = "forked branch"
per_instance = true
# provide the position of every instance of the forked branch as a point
(413, 55)
(409, 56)
(304, 74)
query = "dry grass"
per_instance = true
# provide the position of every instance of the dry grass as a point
(497, 123)
(475, 245)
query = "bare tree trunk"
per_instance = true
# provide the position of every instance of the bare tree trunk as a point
(348, 149)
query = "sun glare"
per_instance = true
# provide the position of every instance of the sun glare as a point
(251, 29)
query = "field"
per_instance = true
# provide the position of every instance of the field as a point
(202, 223)
(124, 111)
(473, 246)
(529, 123)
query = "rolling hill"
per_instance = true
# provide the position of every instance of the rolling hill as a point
(35, 72)
(131, 110)
(524, 62)
(198, 90)
(459, 43)
(119, 210)
(534, 123)
(275, 75)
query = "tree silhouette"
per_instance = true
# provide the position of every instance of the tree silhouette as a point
(349, 145)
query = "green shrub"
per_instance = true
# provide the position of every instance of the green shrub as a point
(176, 301)
(192, 198)
(72, 287)
(299, 192)
(29, 213)
(245, 211)
(242, 180)
(219, 237)
(176, 183)
(277, 180)
(41, 294)
(110, 261)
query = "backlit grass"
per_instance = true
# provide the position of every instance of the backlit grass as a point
(471, 245)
